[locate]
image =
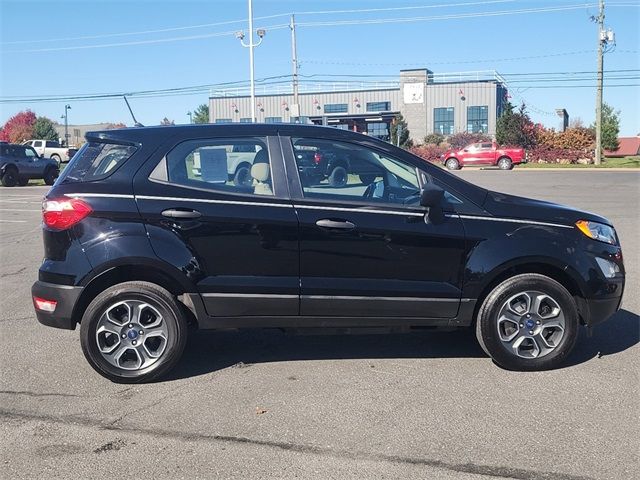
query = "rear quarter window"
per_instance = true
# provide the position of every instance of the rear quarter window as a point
(95, 161)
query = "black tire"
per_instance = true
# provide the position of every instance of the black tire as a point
(505, 163)
(367, 179)
(57, 158)
(157, 297)
(452, 164)
(23, 181)
(50, 176)
(487, 323)
(10, 177)
(242, 177)
(338, 177)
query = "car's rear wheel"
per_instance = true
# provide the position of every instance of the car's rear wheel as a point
(23, 181)
(57, 159)
(452, 164)
(528, 322)
(505, 163)
(10, 177)
(338, 177)
(50, 176)
(133, 332)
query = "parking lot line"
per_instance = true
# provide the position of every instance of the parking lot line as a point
(12, 221)
(18, 210)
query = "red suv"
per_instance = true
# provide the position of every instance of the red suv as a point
(483, 154)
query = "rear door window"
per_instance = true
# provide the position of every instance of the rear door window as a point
(95, 161)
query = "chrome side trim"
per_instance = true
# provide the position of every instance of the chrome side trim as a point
(249, 295)
(98, 195)
(360, 210)
(512, 220)
(358, 297)
(214, 201)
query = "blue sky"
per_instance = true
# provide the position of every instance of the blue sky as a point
(560, 41)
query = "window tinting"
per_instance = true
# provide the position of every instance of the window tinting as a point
(343, 171)
(50, 144)
(379, 130)
(272, 119)
(443, 120)
(245, 120)
(224, 120)
(95, 161)
(37, 143)
(229, 165)
(478, 119)
(336, 108)
(378, 106)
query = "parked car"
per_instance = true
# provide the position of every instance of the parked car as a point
(20, 163)
(52, 150)
(324, 161)
(484, 154)
(138, 250)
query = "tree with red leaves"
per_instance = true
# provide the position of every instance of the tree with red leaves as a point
(19, 127)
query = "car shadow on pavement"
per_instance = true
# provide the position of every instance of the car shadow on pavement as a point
(617, 334)
(210, 351)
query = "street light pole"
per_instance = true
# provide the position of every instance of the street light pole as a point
(294, 60)
(66, 124)
(190, 118)
(251, 46)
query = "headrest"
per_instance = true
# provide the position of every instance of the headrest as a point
(261, 157)
(260, 171)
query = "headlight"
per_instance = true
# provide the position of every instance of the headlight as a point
(598, 231)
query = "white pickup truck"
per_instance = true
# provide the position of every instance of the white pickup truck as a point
(52, 150)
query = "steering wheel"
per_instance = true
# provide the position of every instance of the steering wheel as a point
(368, 192)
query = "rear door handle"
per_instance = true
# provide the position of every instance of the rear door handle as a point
(181, 213)
(335, 224)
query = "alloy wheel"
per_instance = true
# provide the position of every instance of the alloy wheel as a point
(531, 324)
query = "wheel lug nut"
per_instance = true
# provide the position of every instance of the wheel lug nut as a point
(131, 325)
(530, 333)
(521, 325)
(538, 322)
(141, 332)
(124, 336)
(134, 342)
(528, 316)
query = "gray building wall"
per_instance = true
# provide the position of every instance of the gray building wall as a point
(415, 98)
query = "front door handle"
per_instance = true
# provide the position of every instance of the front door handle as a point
(181, 213)
(336, 224)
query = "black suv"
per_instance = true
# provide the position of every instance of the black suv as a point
(138, 249)
(21, 163)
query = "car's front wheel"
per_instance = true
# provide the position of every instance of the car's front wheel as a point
(528, 322)
(10, 177)
(452, 164)
(133, 332)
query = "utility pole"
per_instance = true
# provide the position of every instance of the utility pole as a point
(294, 59)
(66, 124)
(240, 36)
(602, 40)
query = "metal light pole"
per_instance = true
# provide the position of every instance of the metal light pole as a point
(66, 124)
(190, 117)
(240, 36)
(294, 61)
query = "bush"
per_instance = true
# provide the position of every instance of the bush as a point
(549, 154)
(434, 139)
(570, 139)
(462, 139)
(430, 152)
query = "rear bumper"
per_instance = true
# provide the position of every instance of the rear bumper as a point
(65, 297)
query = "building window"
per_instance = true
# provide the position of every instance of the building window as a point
(378, 106)
(224, 120)
(245, 120)
(443, 120)
(379, 130)
(336, 108)
(478, 119)
(272, 119)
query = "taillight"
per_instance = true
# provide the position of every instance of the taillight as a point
(45, 305)
(317, 158)
(63, 213)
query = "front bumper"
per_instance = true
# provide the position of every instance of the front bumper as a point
(65, 297)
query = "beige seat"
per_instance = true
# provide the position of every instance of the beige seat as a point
(261, 173)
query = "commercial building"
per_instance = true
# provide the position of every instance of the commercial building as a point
(430, 103)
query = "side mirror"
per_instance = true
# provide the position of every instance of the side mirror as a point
(432, 197)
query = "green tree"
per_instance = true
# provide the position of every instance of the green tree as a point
(201, 114)
(399, 126)
(44, 129)
(515, 127)
(610, 127)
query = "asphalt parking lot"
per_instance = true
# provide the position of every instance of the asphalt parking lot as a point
(265, 404)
